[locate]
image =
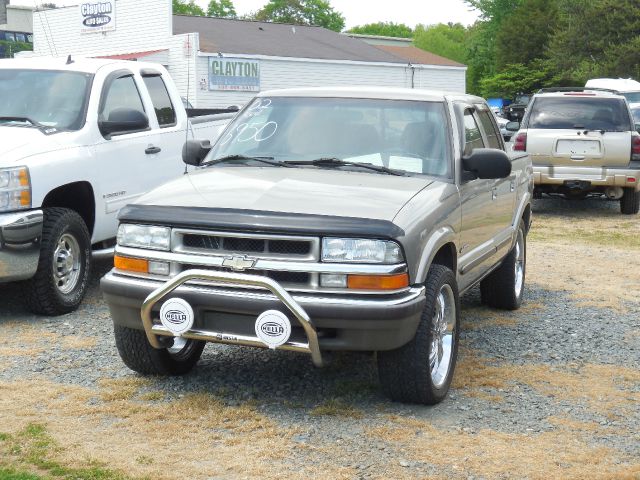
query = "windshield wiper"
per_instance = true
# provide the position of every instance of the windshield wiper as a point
(235, 157)
(337, 162)
(23, 120)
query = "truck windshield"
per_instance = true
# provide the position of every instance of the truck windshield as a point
(588, 113)
(53, 99)
(407, 136)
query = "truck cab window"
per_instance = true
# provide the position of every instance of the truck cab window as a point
(472, 136)
(122, 93)
(493, 137)
(161, 102)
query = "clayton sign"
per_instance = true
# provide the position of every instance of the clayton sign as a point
(98, 16)
(236, 74)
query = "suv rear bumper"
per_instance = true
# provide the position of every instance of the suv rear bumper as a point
(597, 176)
(20, 235)
(342, 322)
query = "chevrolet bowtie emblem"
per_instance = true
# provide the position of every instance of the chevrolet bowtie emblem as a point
(238, 263)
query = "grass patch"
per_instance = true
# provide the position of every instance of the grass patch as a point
(34, 449)
(336, 408)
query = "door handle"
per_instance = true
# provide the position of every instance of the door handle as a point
(151, 150)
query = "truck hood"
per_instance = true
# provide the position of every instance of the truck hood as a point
(293, 190)
(17, 143)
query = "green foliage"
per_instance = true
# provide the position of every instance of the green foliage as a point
(182, 7)
(447, 40)
(221, 8)
(516, 78)
(384, 29)
(301, 12)
(10, 48)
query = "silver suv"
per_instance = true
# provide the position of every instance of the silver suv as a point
(327, 219)
(582, 142)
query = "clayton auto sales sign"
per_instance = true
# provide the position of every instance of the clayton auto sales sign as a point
(98, 16)
(237, 74)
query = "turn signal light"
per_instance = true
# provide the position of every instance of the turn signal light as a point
(128, 264)
(378, 282)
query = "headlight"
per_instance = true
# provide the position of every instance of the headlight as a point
(15, 189)
(144, 236)
(355, 250)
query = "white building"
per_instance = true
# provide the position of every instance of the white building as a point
(220, 62)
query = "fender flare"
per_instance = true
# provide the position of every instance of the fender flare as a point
(438, 239)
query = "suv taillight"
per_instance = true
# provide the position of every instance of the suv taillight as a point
(635, 148)
(520, 142)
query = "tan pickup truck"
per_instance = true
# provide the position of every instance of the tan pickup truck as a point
(582, 142)
(328, 219)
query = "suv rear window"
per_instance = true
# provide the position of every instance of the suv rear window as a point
(589, 113)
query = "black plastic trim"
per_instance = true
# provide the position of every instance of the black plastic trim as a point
(259, 221)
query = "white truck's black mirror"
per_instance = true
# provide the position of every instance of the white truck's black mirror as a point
(124, 120)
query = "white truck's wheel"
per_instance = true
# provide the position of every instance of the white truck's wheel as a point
(421, 371)
(64, 267)
(138, 354)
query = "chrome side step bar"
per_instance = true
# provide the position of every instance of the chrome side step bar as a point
(238, 280)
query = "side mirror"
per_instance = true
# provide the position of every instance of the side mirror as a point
(487, 163)
(195, 151)
(123, 120)
(513, 126)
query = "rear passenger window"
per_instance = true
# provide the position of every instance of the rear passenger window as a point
(472, 136)
(161, 101)
(493, 138)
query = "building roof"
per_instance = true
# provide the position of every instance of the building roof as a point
(131, 56)
(418, 56)
(231, 36)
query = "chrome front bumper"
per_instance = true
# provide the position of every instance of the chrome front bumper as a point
(597, 176)
(238, 280)
(20, 235)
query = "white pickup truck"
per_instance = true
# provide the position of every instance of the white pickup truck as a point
(79, 139)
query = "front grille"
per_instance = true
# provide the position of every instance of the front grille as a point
(291, 278)
(219, 243)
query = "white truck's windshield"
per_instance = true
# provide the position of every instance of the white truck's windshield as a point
(43, 98)
(408, 136)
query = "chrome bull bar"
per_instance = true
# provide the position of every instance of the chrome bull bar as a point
(237, 280)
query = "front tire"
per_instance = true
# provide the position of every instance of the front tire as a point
(64, 266)
(421, 371)
(630, 201)
(137, 353)
(504, 287)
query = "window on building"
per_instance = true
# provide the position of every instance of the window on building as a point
(473, 138)
(161, 102)
(122, 93)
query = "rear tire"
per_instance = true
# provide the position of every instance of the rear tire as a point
(630, 201)
(421, 371)
(137, 353)
(504, 287)
(64, 266)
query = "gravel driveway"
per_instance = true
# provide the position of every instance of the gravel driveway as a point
(550, 391)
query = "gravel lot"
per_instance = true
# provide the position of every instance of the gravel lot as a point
(550, 391)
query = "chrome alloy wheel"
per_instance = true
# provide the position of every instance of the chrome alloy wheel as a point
(519, 264)
(66, 263)
(443, 326)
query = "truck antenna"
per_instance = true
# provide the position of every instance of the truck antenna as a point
(69, 60)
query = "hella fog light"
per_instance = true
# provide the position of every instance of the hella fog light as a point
(330, 280)
(355, 250)
(144, 236)
(159, 268)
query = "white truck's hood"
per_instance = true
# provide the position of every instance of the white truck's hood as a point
(17, 143)
(293, 190)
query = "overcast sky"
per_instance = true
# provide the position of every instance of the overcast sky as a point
(359, 12)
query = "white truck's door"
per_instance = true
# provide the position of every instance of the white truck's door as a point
(126, 161)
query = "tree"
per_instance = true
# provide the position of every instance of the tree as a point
(301, 12)
(384, 29)
(221, 8)
(181, 7)
(447, 40)
(517, 78)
